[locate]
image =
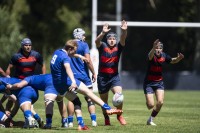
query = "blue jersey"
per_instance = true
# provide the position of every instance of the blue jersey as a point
(41, 82)
(24, 94)
(78, 66)
(60, 78)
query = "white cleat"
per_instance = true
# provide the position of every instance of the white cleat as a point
(94, 123)
(151, 123)
(32, 123)
(70, 124)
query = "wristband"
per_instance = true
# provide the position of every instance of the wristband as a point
(80, 56)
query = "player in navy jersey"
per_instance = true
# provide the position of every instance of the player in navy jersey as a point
(81, 72)
(153, 82)
(24, 63)
(26, 96)
(108, 75)
(43, 82)
(66, 84)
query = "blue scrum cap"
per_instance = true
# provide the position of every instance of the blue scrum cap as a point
(25, 41)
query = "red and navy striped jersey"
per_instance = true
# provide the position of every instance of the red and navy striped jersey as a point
(154, 70)
(25, 65)
(109, 59)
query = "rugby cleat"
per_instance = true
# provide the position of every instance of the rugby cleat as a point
(94, 123)
(107, 122)
(151, 123)
(121, 119)
(47, 126)
(80, 128)
(70, 124)
(114, 111)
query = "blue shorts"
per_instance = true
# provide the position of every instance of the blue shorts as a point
(27, 94)
(50, 90)
(62, 88)
(151, 87)
(86, 80)
(105, 83)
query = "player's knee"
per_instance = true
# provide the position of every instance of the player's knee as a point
(89, 102)
(150, 105)
(160, 103)
(48, 101)
(77, 103)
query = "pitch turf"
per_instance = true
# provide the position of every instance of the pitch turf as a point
(180, 114)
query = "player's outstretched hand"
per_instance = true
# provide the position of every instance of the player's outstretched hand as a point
(180, 56)
(124, 25)
(155, 43)
(73, 87)
(105, 28)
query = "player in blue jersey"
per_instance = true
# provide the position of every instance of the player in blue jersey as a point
(44, 83)
(66, 84)
(108, 75)
(153, 82)
(81, 72)
(26, 96)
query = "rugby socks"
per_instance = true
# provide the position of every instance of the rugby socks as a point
(48, 119)
(93, 117)
(153, 115)
(27, 114)
(64, 120)
(2, 116)
(70, 119)
(36, 117)
(80, 121)
(106, 106)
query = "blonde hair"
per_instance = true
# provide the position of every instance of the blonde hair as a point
(70, 44)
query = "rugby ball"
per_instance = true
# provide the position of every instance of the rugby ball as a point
(117, 99)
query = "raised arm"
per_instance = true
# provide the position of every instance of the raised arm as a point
(101, 35)
(124, 32)
(151, 53)
(2, 72)
(8, 70)
(179, 57)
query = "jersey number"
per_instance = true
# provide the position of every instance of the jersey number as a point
(53, 60)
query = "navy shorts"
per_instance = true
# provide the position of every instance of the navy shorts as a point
(105, 83)
(151, 87)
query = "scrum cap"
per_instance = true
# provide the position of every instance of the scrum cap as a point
(26, 41)
(161, 44)
(78, 33)
(111, 34)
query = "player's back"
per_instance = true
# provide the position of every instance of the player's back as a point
(78, 66)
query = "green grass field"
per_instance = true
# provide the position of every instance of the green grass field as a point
(180, 114)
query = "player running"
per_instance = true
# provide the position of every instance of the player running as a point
(153, 82)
